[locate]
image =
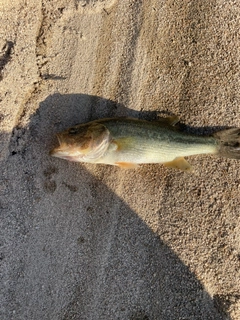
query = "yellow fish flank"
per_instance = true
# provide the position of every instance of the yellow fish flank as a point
(128, 142)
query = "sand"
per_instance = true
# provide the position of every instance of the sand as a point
(81, 241)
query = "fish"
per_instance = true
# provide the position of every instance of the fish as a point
(129, 142)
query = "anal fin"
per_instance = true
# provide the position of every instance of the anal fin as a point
(126, 165)
(179, 163)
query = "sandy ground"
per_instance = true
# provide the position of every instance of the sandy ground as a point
(93, 241)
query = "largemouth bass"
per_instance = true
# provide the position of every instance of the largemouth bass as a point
(127, 142)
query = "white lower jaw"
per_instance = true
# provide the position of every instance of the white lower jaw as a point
(76, 158)
(69, 158)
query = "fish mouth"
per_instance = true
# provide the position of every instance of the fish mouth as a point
(56, 151)
(64, 154)
(65, 151)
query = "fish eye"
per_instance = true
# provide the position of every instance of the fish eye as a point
(73, 131)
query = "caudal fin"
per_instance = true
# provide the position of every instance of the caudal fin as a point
(229, 143)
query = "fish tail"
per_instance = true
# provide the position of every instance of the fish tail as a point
(228, 143)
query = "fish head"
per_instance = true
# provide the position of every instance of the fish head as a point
(82, 143)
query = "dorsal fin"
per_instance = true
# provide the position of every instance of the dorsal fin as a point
(171, 120)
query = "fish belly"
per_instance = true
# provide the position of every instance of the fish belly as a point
(152, 151)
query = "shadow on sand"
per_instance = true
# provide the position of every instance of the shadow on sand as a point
(85, 253)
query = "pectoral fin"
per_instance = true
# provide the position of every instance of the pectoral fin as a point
(172, 120)
(122, 144)
(179, 163)
(126, 165)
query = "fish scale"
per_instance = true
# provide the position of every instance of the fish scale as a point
(127, 142)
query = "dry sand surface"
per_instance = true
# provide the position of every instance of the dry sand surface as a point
(96, 242)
